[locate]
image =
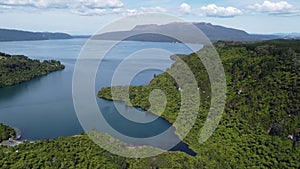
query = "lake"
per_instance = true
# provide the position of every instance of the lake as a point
(43, 107)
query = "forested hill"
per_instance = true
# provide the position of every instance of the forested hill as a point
(265, 74)
(18, 35)
(262, 109)
(262, 106)
(15, 69)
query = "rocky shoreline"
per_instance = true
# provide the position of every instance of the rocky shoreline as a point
(11, 142)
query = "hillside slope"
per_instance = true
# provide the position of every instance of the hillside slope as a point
(15, 69)
(177, 29)
(18, 35)
(262, 106)
(262, 109)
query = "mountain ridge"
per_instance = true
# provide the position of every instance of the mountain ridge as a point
(213, 32)
(21, 35)
(139, 33)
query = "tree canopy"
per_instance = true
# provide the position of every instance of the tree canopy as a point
(15, 69)
(262, 109)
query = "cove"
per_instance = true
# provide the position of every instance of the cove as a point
(43, 108)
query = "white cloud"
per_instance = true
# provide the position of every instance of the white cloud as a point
(80, 7)
(64, 3)
(185, 8)
(275, 8)
(89, 12)
(102, 3)
(213, 10)
(272, 6)
(157, 9)
(143, 10)
(4, 7)
(34, 3)
(122, 11)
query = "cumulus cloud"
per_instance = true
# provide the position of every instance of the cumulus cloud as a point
(272, 6)
(102, 3)
(153, 9)
(213, 10)
(89, 12)
(185, 8)
(121, 11)
(142, 10)
(34, 3)
(82, 7)
(64, 3)
(4, 7)
(275, 8)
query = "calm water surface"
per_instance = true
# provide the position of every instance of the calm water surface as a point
(43, 108)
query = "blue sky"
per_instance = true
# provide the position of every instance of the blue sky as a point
(87, 16)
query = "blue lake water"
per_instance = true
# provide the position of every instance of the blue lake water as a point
(43, 107)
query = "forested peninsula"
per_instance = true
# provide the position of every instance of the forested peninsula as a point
(262, 110)
(262, 106)
(15, 69)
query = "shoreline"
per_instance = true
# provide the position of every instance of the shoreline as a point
(12, 142)
(175, 132)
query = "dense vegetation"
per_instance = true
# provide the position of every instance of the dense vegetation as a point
(262, 109)
(80, 152)
(15, 69)
(6, 132)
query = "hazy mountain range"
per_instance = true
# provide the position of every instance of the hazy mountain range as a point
(18, 35)
(213, 32)
(143, 33)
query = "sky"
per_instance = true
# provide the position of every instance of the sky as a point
(82, 17)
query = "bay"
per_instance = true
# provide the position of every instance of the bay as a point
(43, 107)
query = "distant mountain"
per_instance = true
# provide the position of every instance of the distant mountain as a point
(18, 35)
(81, 36)
(213, 32)
(293, 35)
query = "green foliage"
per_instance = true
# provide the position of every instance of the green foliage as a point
(262, 106)
(262, 109)
(80, 152)
(65, 152)
(6, 132)
(17, 69)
